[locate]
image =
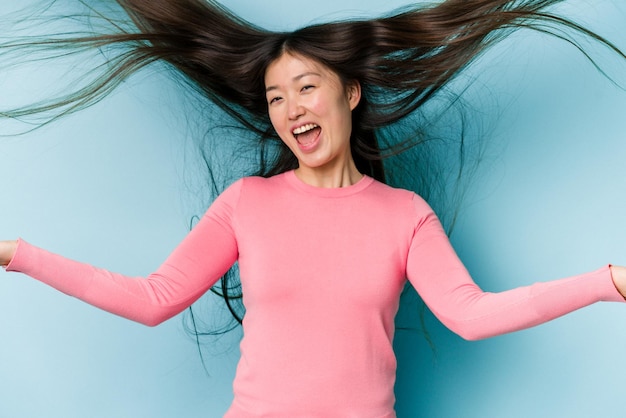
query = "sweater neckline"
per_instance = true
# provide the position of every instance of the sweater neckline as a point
(294, 181)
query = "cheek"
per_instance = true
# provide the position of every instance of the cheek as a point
(338, 113)
(319, 106)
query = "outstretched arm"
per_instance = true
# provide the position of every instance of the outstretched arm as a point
(207, 252)
(447, 288)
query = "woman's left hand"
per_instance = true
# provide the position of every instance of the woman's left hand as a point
(7, 249)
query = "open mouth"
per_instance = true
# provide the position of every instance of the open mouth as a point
(307, 134)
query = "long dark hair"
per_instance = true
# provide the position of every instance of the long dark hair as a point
(402, 62)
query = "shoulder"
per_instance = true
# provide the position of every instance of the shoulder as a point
(249, 184)
(396, 208)
(258, 182)
(401, 197)
(255, 187)
(383, 189)
(244, 194)
(254, 193)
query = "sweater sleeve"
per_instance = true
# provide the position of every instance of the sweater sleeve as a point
(446, 287)
(203, 256)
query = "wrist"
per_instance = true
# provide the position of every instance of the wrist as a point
(618, 274)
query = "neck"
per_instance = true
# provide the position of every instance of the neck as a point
(329, 178)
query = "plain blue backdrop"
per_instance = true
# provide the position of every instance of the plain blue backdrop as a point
(107, 186)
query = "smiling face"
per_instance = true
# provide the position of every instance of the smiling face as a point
(311, 110)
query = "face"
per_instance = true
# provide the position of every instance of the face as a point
(311, 110)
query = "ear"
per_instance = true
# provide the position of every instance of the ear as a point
(353, 90)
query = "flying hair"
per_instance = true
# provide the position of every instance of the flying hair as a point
(403, 61)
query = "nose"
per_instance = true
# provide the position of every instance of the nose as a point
(295, 109)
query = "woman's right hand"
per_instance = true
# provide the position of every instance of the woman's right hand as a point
(7, 249)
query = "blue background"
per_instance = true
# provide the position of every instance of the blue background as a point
(109, 186)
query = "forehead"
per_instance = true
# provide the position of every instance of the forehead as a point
(290, 67)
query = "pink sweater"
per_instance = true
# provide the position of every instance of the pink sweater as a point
(322, 271)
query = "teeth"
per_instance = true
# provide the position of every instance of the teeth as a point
(304, 128)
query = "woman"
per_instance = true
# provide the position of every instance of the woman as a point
(323, 268)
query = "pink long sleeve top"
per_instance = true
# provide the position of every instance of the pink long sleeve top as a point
(321, 271)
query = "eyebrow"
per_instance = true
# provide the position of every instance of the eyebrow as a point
(296, 78)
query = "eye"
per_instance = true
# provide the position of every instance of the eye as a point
(274, 99)
(306, 88)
